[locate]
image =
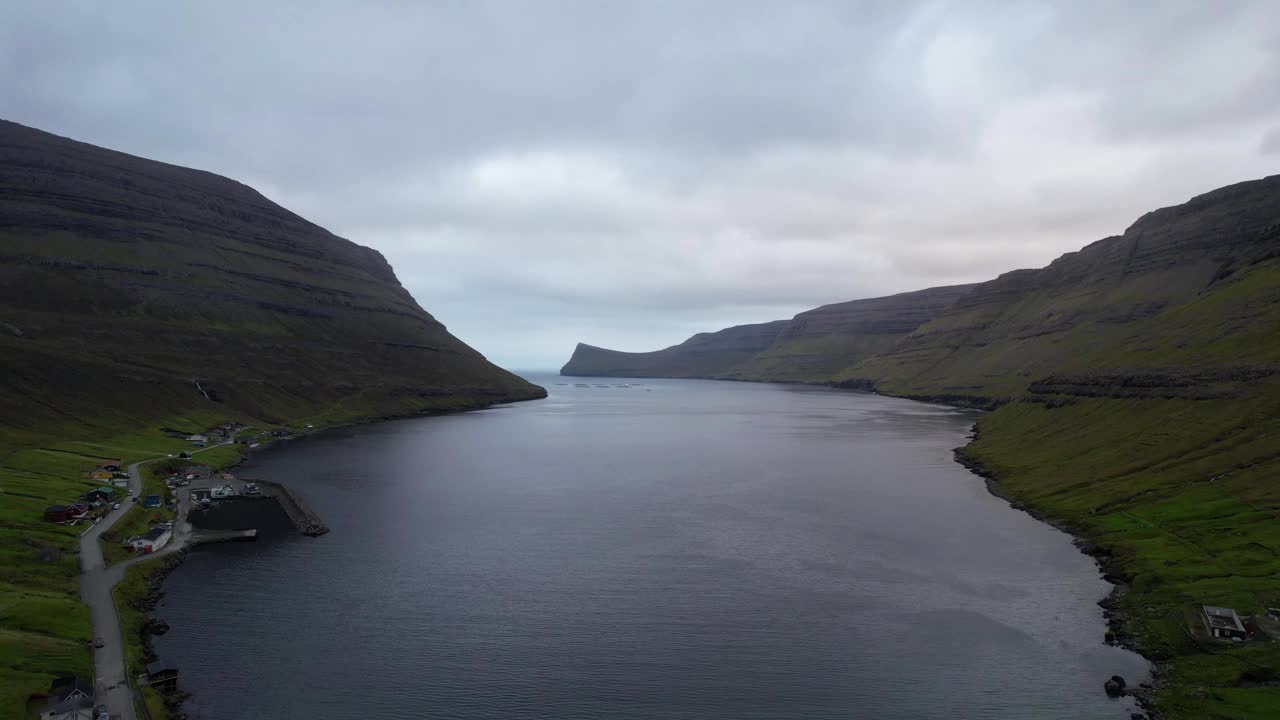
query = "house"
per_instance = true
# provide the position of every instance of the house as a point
(152, 501)
(99, 495)
(78, 510)
(1223, 623)
(110, 466)
(197, 438)
(102, 474)
(56, 513)
(152, 540)
(221, 492)
(70, 698)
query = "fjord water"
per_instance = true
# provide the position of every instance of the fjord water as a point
(647, 549)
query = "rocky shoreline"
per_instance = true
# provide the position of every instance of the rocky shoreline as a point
(1110, 571)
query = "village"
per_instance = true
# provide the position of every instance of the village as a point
(160, 516)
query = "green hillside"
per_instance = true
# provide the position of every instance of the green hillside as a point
(138, 298)
(814, 346)
(1138, 391)
(1136, 394)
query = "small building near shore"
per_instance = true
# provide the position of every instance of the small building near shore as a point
(69, 697)
(162, 677)
(1223, 623)
(152, 540)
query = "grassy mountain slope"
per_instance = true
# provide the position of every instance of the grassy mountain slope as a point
(703, 355)
(1156, 296)
(1138, 385)
(135, 296)
(817, 345)
(129, 284)
(814, 346)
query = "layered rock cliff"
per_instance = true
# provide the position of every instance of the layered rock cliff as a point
(702, 356)
(131, 288)
(1183, 289)
(814, 346)
(817, 345)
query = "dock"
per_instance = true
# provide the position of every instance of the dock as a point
(304, 519)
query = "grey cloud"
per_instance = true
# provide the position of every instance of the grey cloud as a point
(629, 173)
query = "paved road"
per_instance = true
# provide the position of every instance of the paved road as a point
(96, 582)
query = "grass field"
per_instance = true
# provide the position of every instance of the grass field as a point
(1184, 494)
(44, 629)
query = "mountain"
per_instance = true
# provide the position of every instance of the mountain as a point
(1184, 289)
(814, 346)
(1135, 395)
(703, 355)
(817, 345)
(141, 302)
(131, 288)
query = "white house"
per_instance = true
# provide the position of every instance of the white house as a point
(154, 539)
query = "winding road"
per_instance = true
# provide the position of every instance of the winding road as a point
(96, 581)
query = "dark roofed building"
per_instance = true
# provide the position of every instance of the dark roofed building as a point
(1223, 623)
(163, 678)
(69, 697)
(56, 513)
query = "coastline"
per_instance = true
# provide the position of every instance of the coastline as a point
(1119, 586)
(144, 597)
(1107, 569)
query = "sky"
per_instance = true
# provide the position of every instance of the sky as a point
(626, 174)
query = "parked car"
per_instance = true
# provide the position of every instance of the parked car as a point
(99, 643)
(116, 506)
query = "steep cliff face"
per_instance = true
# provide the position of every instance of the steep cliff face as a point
(818, 344)
(704, 355)
(1183, 286)
(130, 287)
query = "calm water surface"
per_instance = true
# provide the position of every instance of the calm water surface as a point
(647, 549)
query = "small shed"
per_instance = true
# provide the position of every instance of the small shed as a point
(55, 513)
(163, 678)
(1223, 623)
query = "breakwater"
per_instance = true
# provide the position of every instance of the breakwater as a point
(303, 517)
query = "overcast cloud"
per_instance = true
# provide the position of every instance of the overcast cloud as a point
(628, 173)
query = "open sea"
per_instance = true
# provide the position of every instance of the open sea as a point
(646, 549)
